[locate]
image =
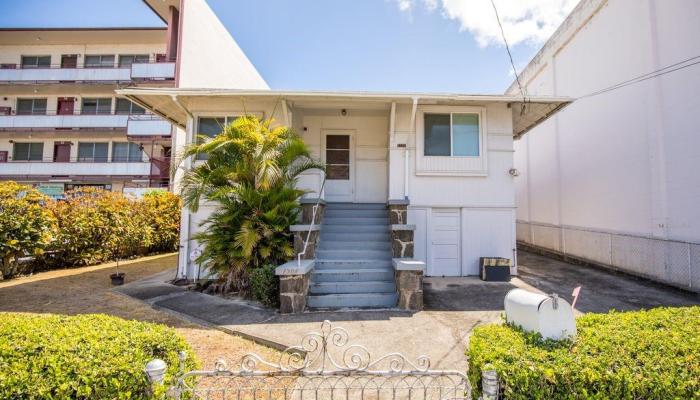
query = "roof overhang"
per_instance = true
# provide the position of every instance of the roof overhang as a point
(162, 7)
(172, 104)
(56, 36)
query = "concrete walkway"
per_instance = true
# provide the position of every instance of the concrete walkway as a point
(454, 306)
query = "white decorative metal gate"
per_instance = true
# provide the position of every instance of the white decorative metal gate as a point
(324, 366)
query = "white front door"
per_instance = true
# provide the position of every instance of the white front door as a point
(444, 242)
(339, 155)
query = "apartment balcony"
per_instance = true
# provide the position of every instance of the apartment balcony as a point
(148, 126)
(39, 122)
(50, 168)
(137, 72)
(136, 125)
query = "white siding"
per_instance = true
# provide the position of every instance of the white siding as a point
(209, 56)
(618, 168)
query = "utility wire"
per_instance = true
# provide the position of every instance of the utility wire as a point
(510, 56)
(641, 78)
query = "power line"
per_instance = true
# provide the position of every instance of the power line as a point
(510, 56)
(649, 75)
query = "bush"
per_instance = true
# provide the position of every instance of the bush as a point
(265, 285)
(652, 354)
(26, 227)
(88, 227)
(163, 215)
(97, 225)
(86, 356)
(250, 174)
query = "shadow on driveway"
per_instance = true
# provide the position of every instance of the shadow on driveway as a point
(601, 290)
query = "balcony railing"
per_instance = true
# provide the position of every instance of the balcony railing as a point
(108, 74)
(55, 120)
(75, 167)
(146, 125)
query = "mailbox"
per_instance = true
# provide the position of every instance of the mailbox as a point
(550, 316)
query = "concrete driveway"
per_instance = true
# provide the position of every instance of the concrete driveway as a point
(453, 307)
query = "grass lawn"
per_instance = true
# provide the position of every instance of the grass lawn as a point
(88, 291)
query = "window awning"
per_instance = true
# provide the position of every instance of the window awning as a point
(174, 104)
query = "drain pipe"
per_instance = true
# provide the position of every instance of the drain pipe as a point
(186, 215)
(405, 152)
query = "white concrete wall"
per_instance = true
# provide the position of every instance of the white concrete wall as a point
(480, 194)
(613, 176)
(208, 56)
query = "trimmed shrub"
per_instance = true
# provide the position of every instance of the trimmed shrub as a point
(88, 227)
(265, 285)
(26, 227)
(163, 215)
(97, 225)
(652, 354)
(83, 357)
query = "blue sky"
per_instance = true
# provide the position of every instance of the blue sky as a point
(397, 45)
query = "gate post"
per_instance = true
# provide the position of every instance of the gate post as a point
(489, 383)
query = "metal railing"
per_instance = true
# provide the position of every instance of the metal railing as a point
(77, 112)
(98, 160)
(313, 221)
(325, 365)
(115, 65)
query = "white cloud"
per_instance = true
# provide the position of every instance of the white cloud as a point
(530, 21)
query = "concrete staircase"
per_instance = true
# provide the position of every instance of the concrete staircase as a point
(353, 259)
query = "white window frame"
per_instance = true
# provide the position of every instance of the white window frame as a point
(92, 159)
(101, 64)
(451, 165)
(33, 99)
(452, 153)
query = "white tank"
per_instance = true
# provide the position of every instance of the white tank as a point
(551, 316)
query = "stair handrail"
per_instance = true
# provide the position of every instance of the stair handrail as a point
(313, 221)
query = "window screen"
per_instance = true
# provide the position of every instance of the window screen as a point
(124, 106)
(31, 106)
(451, 135)
(125, 61)
(97, 106)
(437, 135)
(211, 127)
(99, 61)
(126, 152)
(36, 61)
(92, 152)
(338, 157)
(27, 151)
(465, 135)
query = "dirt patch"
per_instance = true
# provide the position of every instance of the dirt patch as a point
(88, 291)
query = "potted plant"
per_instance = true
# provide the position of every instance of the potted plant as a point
(118, 277)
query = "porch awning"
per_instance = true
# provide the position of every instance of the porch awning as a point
(172, 103)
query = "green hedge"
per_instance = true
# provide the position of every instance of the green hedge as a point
(265, 285)
(652, 354)
(84, 357)
(89, 226)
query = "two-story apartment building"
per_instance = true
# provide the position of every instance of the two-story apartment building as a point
(62, 126)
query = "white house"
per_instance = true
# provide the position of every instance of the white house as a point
(448, 156)
(612, 179)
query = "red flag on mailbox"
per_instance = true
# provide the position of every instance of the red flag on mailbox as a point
(575, 294)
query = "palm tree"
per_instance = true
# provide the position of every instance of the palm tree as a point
(250, 173)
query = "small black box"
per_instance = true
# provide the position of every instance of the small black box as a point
(494, 269)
